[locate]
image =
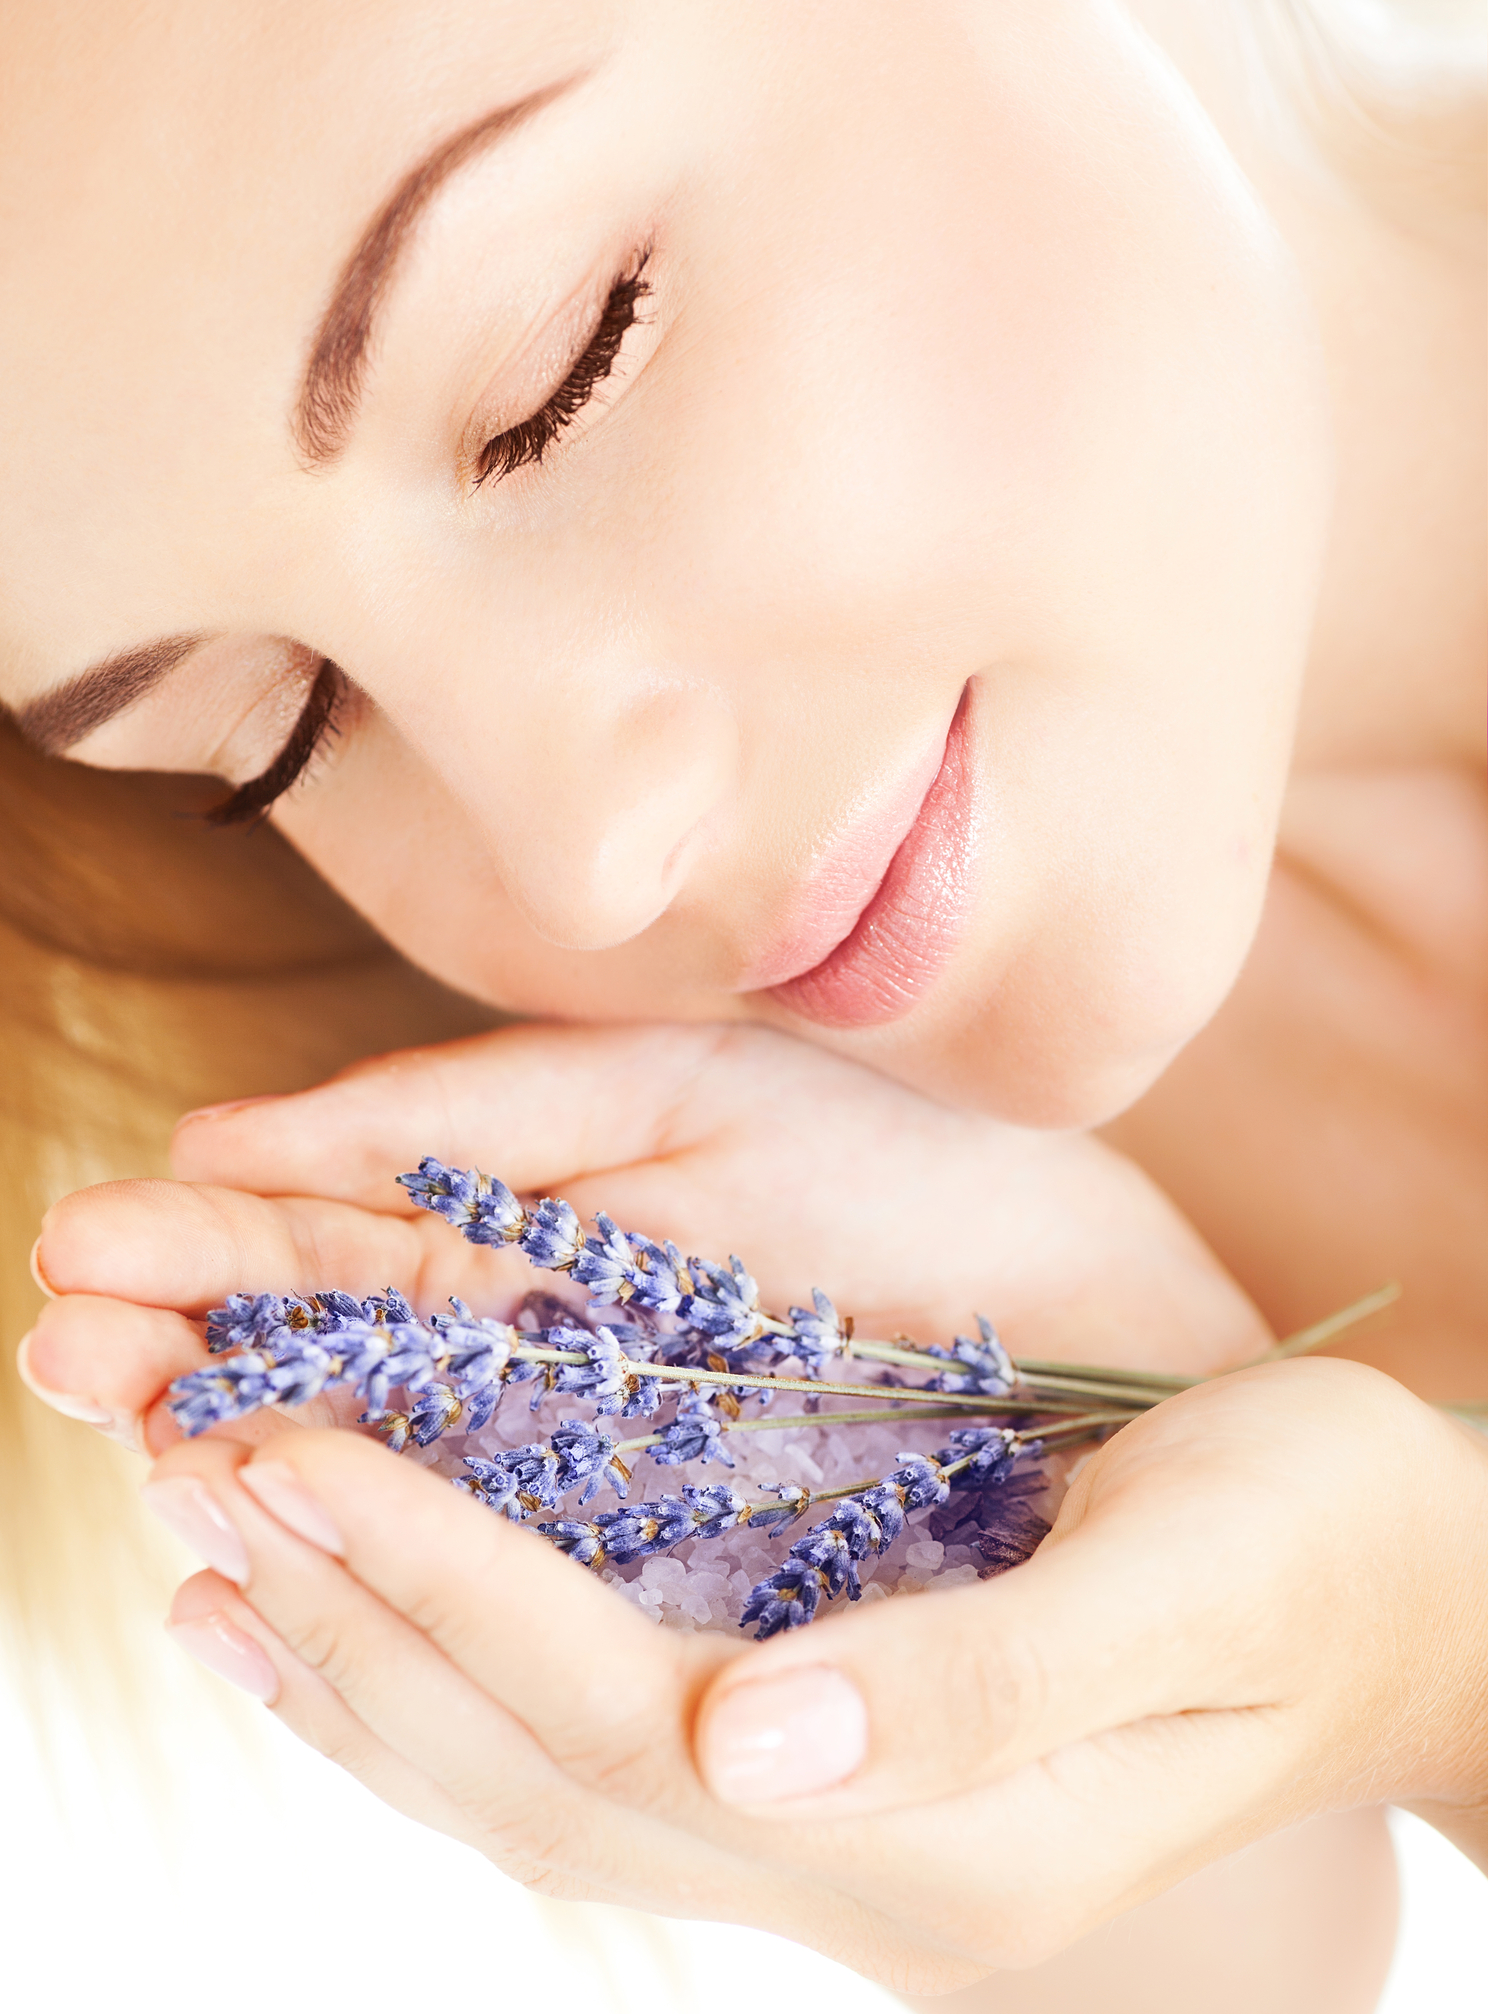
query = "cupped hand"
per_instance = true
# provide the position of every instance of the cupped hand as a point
(1261, 1601)
(819, 1172)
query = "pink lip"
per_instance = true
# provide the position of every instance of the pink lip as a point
(897, 941)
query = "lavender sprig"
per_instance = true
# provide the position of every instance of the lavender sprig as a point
(701, 1336)
(827, 1559)
(700, 1332)
(720, 1325)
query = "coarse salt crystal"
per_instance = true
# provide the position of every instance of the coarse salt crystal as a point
(659, 1572)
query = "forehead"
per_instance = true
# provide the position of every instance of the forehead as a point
(179, 185)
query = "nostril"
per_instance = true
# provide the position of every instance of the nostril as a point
(604, 846)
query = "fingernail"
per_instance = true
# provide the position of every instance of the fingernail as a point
(283, 1495)
(190, 1510)
(38, 1275)
(225, 1111)
(119, 1426)
(784, 1737)
(212, 1641)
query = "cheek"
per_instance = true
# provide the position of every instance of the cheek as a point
(1095, 473)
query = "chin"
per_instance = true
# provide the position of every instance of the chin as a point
(1043, 1093)
(1066, 1055)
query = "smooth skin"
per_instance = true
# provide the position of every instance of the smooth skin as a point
(1101, 409)
(1152, 1691)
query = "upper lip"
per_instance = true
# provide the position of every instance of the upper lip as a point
(847, 875)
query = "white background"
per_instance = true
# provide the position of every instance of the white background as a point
(268, 1880)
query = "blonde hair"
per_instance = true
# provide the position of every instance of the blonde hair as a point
(149, 964)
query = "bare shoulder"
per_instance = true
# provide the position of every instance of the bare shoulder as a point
(1329, 1129)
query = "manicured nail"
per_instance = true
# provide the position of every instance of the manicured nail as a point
(784, 1737)
(212, 1641)
(283, 1495)
(38, 1275)
(190, 1510)
(119, 1426)
(225, 1111)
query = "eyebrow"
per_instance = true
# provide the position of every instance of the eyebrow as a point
(333, 379)
(327, 405)
(58, 719)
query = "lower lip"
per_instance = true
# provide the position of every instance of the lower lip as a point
(903, 938)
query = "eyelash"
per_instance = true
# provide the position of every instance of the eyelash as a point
(249, 804)
(528, 441)
(520, 446)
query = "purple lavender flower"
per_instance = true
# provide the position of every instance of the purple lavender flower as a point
(233, 1386)
(647, 1528)
(587, 1456)
(582, 1542)
(715, 1508)
(335, 1310)
(302, 1374)
(223, 1391)
(988, 1370)
(695, 1435)
(826, 1559)
(394, 1427)
(518, 1480)
(389, 1306)
(496, 1483)
(724, 1303)
(553, 1237)
(993, 1451)
(785, 1599)
(600, 1377)
(903, 1490)
(621, 1266)
(272, 1349)
(532, 1478)
(484, 1210)
(643, 1396)
(817, 1334)
(607, 1264)
(795, 1501)
(243, 1321)
(479, 1356)
(433, 1413)
(826, 1548)
(658, 1278)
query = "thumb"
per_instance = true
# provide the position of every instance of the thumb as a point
(535, 1105)
(909, 1701)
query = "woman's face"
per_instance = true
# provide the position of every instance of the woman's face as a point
(815, 510)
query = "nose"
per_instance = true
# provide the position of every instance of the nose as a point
(595, 805)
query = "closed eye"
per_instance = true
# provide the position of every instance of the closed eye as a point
(251, 801)
(530, 439)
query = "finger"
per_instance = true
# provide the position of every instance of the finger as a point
(109, 1363)
(105, 1362)
(1008, 1875)
(422, 1547)
(176, 1245)
(211, 1622)
(532, 1104)
(595, 1707)
(1139, 1613)
(397, 1684)
(413, 1698)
